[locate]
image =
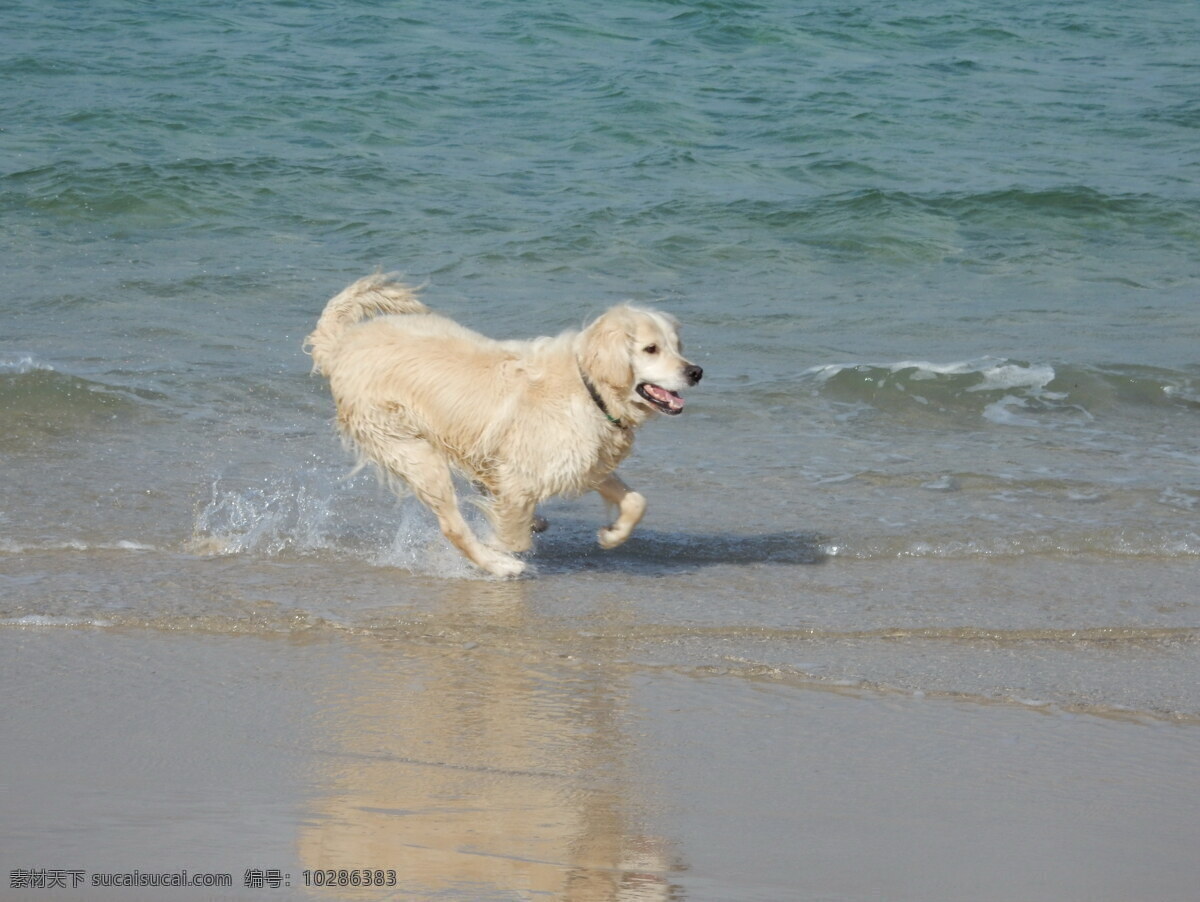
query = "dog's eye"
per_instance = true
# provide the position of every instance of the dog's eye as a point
(651, 349)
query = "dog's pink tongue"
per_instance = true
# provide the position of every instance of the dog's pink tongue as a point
(669, 398)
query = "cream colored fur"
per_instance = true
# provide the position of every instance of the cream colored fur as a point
(420, 396)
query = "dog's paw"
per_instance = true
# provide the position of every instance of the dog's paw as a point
(611, 537)
(504, 566)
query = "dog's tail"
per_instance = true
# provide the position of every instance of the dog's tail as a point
(371, 296)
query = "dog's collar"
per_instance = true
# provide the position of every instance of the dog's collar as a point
(587, 383)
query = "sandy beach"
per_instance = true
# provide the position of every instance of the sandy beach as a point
(488, 757)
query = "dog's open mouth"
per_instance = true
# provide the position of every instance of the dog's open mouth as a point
(666, 401)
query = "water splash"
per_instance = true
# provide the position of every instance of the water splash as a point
(313, 514)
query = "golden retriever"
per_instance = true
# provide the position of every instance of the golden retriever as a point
(420, 396)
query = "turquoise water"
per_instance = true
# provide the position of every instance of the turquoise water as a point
(940, 262)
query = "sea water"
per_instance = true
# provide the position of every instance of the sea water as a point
(939, 261)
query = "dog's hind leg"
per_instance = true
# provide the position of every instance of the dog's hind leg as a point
(425, 469)
(507, 518)
(513, 522)
(630, 507)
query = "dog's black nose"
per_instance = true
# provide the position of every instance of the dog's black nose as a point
(693, 374)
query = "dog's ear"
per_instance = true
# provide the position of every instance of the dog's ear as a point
(605, 349)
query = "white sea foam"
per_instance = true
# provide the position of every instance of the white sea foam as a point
(1006, 376)
(47, 621)
(1182, 392)
(11, 546)
(1108, 543)
(22, 364)
(1007, 412)
(925, 369)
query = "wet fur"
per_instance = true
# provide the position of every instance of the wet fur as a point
(419, 396)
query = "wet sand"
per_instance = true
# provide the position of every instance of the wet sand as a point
(484, 769)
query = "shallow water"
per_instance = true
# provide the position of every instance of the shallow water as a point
(939, 264)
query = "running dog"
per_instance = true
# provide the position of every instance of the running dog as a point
(421, 397)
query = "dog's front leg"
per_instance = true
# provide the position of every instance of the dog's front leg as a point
(630, 507)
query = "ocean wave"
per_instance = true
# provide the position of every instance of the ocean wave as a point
(37, 398)
(208, 195)
(806, 214)
(1002, 391)
(905, 225)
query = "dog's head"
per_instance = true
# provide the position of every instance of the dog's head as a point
(636, 355)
